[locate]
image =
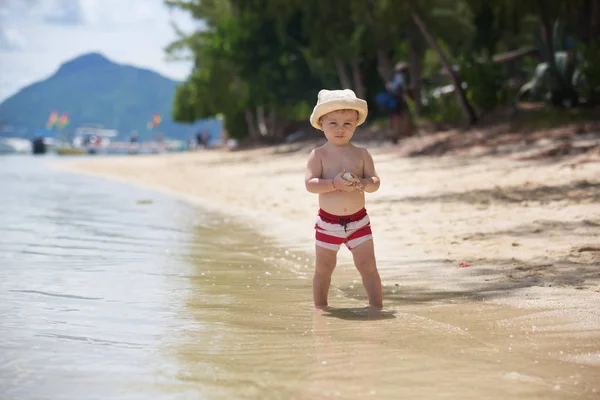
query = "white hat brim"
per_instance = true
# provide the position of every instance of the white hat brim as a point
(339, 104)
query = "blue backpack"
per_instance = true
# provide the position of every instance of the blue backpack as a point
(387, 101)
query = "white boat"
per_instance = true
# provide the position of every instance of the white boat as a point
(87, 140)
(15, 146)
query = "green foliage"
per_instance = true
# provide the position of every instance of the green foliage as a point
(485, 81)
(451, 22)
(587, 78)
(488, 27)
(276, 54)
(245, 60)
(442, 109)
(432, 68)
(547, 118)
(275, 71)
(236, 126)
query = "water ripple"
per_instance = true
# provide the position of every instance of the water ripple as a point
(91, 340)
(66, 296)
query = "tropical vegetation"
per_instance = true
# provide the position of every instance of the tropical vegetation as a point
(260, 63)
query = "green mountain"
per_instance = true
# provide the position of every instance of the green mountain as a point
(93, 90)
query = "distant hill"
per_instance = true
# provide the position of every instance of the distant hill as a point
(91, 89)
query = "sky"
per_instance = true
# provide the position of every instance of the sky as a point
(37, 36)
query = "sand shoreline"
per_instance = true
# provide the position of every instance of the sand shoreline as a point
(528, 231)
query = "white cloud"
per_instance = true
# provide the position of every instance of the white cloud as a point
(65, 12)
(131, 32)
(11, 39)
(118, 12)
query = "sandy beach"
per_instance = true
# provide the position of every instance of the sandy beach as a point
(487, 228)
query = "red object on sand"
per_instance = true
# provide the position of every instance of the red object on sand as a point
(464, 265)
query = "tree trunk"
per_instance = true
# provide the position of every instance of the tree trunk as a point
(594, 21)
(275, 125)
(415, 56)
(260, 119)
(359, 86)
(458, 89)
(384, 65)
(272, 123)
(248, 115)
(251, 123)
(345, 81)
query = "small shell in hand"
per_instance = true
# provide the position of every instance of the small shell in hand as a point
(350, 178)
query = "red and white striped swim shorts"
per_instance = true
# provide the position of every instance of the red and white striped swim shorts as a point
(351, 230)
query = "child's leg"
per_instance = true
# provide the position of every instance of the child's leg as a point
(364, 260)
(325, 264)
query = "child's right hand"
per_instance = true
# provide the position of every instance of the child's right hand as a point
(341, 184)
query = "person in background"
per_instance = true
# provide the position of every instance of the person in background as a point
(400, 121)
(202, 138)
(206, 138)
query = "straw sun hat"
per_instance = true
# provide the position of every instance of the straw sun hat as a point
(333, 100)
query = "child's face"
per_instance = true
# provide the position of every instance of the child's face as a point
(339, 125)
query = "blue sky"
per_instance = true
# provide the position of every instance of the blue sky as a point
(36, 36)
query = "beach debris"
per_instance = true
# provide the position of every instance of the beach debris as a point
(463, 265)
(144, 201)
(588, 248)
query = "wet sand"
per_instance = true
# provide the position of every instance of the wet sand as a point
(526, 233)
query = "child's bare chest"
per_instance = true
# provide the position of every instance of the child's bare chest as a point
(351, 162)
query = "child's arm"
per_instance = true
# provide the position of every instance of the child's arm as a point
(313, 181)
(370, 183)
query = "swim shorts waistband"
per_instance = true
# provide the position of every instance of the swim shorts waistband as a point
(341, 219)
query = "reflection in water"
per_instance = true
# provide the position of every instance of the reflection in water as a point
(359, 314)
(105, 297)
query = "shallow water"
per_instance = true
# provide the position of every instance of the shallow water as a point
(108, 291)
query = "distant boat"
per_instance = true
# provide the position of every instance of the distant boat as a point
(15, 146)
(87, 140)
(70, 151)
(97, 140)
